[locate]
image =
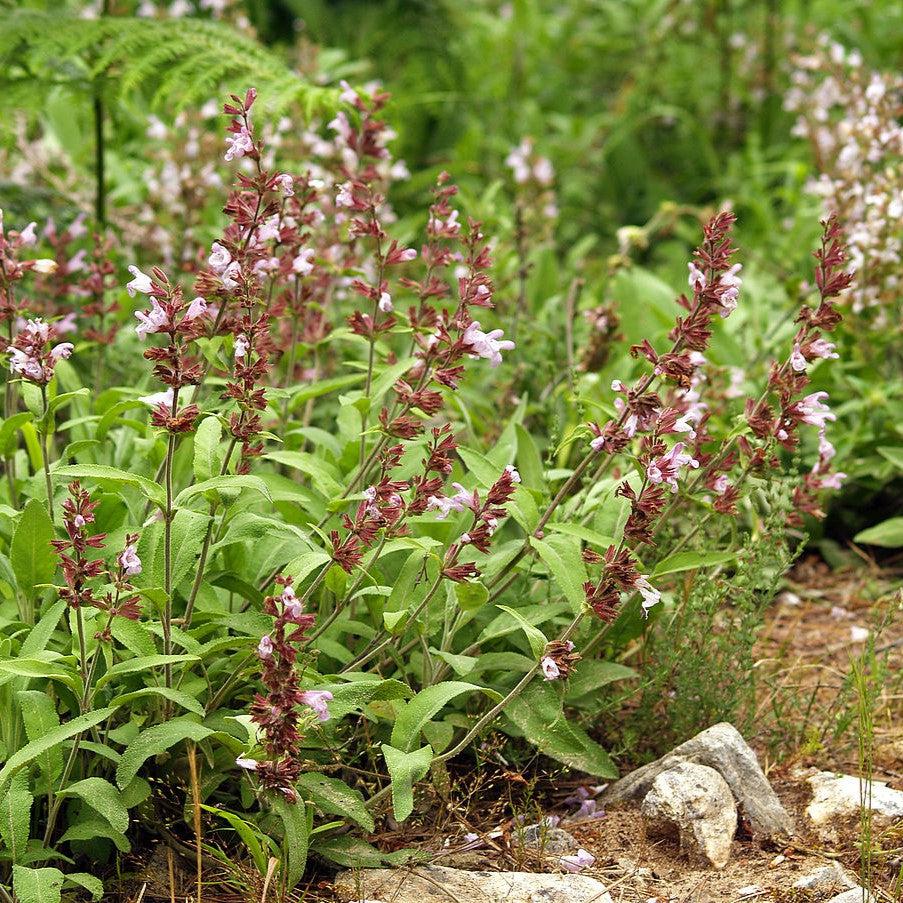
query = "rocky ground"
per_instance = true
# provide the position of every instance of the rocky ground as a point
(716, 821)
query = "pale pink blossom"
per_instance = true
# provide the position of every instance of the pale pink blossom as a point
(316, 700)
(140, 283)
(151, 322)
(197, 308)
(239, 144)
(488, 345)
(303, 264)
(578, 861)
(550, 670)
(385, 303)
(219, 258)
(651, 596)
(129, 561)
(265, 647)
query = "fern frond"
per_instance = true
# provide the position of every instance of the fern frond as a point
(174, 63)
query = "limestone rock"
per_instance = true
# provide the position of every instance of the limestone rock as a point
(829, 877)
(435, 884)
(698, 801)
(723, 748)
(838, 795)
(854, 895)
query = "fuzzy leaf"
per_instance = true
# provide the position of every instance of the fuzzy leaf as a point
(37, 885)
(103, 798)
(155, 740)
(335, 797)
(405, 768)
(15, 816)
(30, 554)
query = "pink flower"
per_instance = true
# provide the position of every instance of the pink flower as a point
(248, 764)
(697, 278)
(385, 303)
(219, 258)
(158, 398)
(240, 143)
(797, 361)
(229, 276)
(197, 308)
(129, 561)
(265, 647)
(345, 197)
(651, 596)
(304, 262)
(62, 351)
(512, 471)
(578, 861)
(486, 344)
(813, 410)
(27, 236)
(241, 346)
(151, 322)
(286, 184)
(549, 669)
(140, 283)
(666, 468)
(316, 700)
(24, 363)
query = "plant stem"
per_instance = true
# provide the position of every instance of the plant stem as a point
(45, 455)
(167, 547)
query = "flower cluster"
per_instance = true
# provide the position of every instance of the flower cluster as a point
(80, 570)
(284, 710)
(851, 117)
(33, 354)
(181, 323)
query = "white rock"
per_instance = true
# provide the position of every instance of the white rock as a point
(698, 801)
(436, 884)
(546, 839)
(723, 748)
(854, 895)
(837, 795)
(826, 876)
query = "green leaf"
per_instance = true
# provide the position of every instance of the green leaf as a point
(92, 828)
(305, 564)
(349, 697)
(155, 740)
(39, 716)
(888, 534)
(37, 747)
(188, 531)
(480, 466)
(324, 387)
(32, 558)
(323, 476)
(351, 852)
(537, 713)
(688, 561)
(179, 697)
(335, 797)
(226, 482)
(593, 537)
(103, 798)
(247, 832)
(471, 595)
(65, 399)
(404, 769)
(37, 885)
(15, 816)
(591, 674)
(92, 885)
(428, 702)
(297, 838)
(10, 425)
(893, 454)
(39, 635)
(207, 457)
(535, 637)
(142, 663)
(563, 560)
(104, 475)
